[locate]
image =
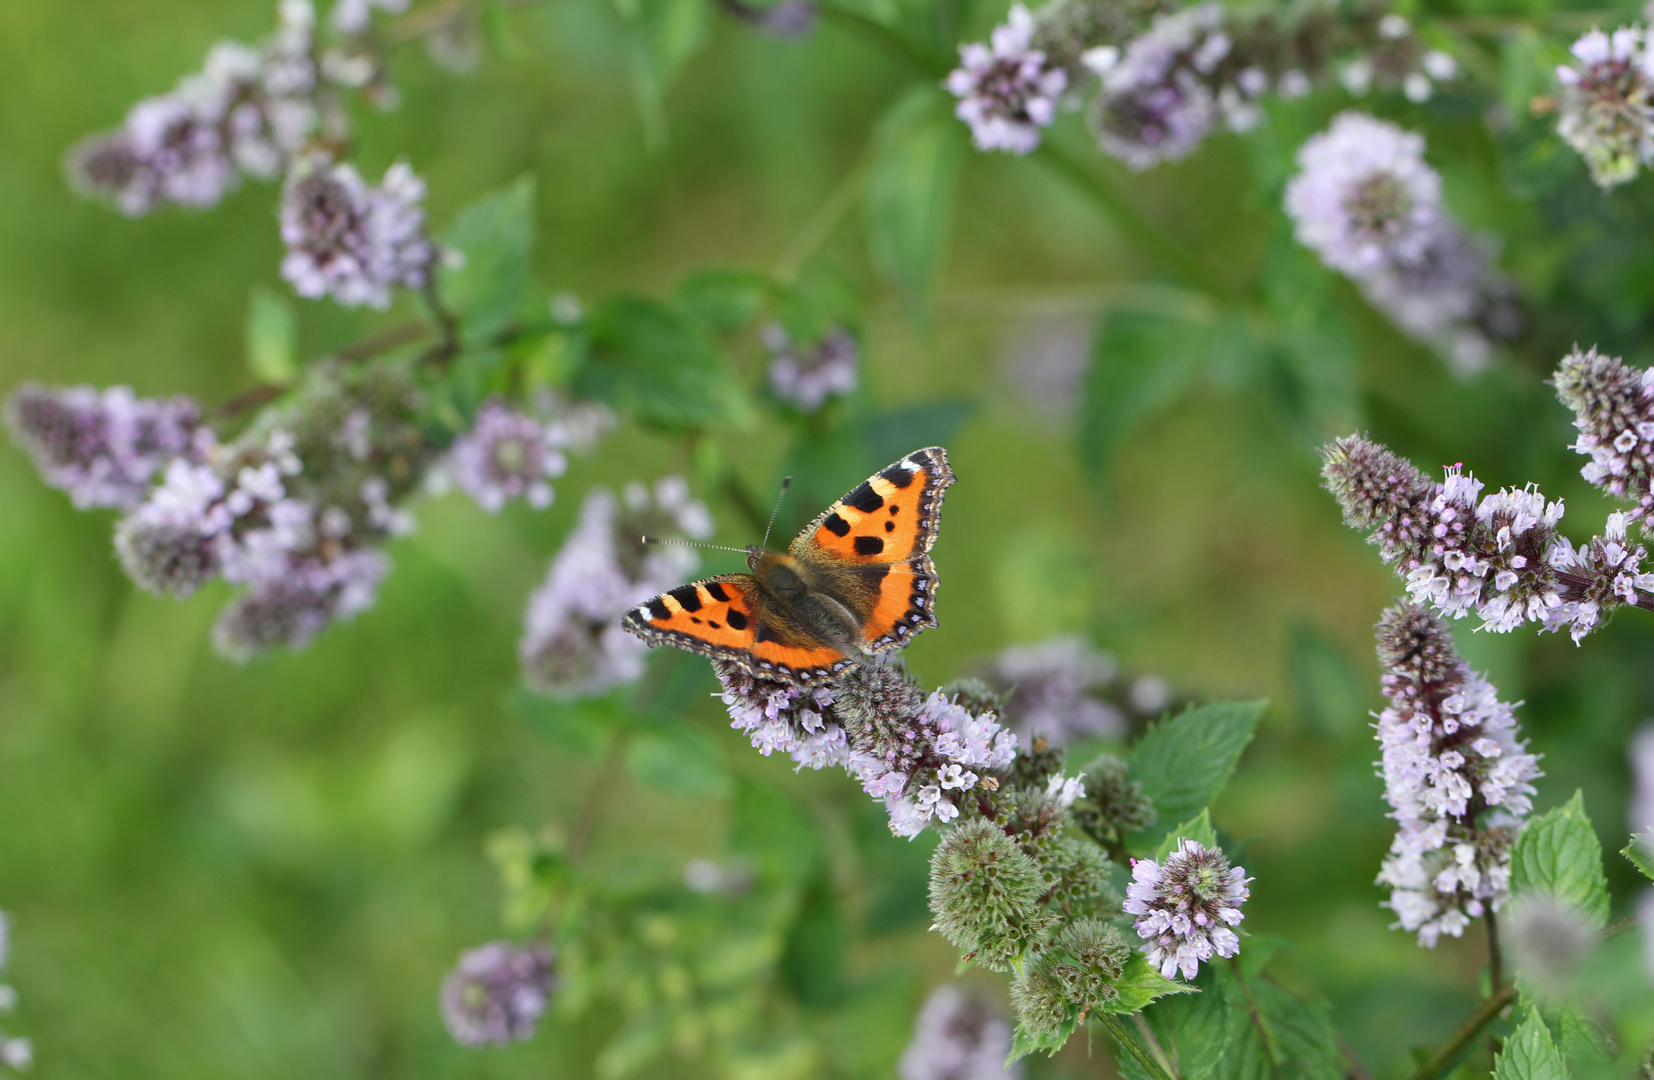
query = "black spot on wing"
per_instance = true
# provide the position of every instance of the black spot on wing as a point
(659, 610)
(736, 620)
(869, 545)
(864, 498)
(897, 476)
(890, 526)
(686, 595)
(715, 589)
(837, 525)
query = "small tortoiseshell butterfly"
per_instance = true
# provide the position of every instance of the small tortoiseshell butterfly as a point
(855, 582)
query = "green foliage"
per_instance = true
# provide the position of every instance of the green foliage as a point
(1557, 853)
(1530, 1054)
(493, 237)
(1198, 829)
(910, 189)
(272, 337)
(1182, 763)
(1143, 362)
(1639, 853)
(651, 363)
(1278, 1034)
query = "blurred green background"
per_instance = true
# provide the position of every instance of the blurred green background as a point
(218, 871)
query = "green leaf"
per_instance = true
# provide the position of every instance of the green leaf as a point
(664, 35)
(1641, 852)
(272, 336)
(725, 301)
(679, 761)
(494, 237)
(1144, 361)
(771, 829)
(1279, 1036)
(1328, 694)
(1199, 829)
(1199, 1025)
(1530, 1054)
(1183, 763)
(910, 188)
(1140, 984)
(812, 963)
(1025, 1042)
(584, 725)
(646, 359)
(895, 432)
(1558, 854)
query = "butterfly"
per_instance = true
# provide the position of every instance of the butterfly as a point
(857, 581)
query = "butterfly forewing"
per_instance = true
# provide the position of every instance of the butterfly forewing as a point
(867, 551)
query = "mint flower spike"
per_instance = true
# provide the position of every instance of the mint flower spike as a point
(104, 447)
(351, 241)
(1613, 407)
(497, 993)
(1499, 556)
(508, 455)
(775, 715)
(958, 1037)
(1007, 92)
(1186, 906)
(572, 643)
(1605, 104)
(1457, 775)
(807, 377)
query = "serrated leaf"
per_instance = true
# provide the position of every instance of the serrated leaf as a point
(1529, 1054)
(1557, 853)
(1184, 762)
(1283, 1037)
(272, 336)
(1024, 1042)
(1199, 1025)
(678, 761)
(1141, 364)
(494, 237)
(1641, 852)
(1140, 984)
(725, 301)
(1198, 829)
(645, 358)
(910, 188)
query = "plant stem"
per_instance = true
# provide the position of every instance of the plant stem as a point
(1473, 1025)
(823, 221)
(1139, 230)
(1167, 1061)
(1129, 1045)
(597, 796)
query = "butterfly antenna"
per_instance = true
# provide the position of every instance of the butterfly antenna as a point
(786, 481)
(693, 544)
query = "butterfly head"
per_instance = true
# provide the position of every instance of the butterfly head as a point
(778, 574)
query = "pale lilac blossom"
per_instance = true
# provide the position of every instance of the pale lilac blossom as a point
(104, 448)
(957, 1037)
(1185, 908)
(508, 455)
(807, 377)
(351, 241)
(1605, 104)
(497, 993)
(1006, 90)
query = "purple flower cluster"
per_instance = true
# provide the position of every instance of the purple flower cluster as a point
(104, 448)
(248, 111)
(957, 1037)
(797, 721)
(572, 643)
(353, 17)
(508, 455)
(497, 993)
(1499, 556)
(807, 378)
(1365, 201)
(1006, 90)
(15, 1053)
(1613, 407)
(354, 242)
(1605, 103)
(1186, 906)
(1458, 779)
(1065, 689)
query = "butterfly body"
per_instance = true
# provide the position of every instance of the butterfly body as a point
(857, 581)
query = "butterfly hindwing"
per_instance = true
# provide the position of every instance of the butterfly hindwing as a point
(725, 618)
(875, 540)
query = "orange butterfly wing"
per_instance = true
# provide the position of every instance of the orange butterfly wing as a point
(878, 535)
(723, 618)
